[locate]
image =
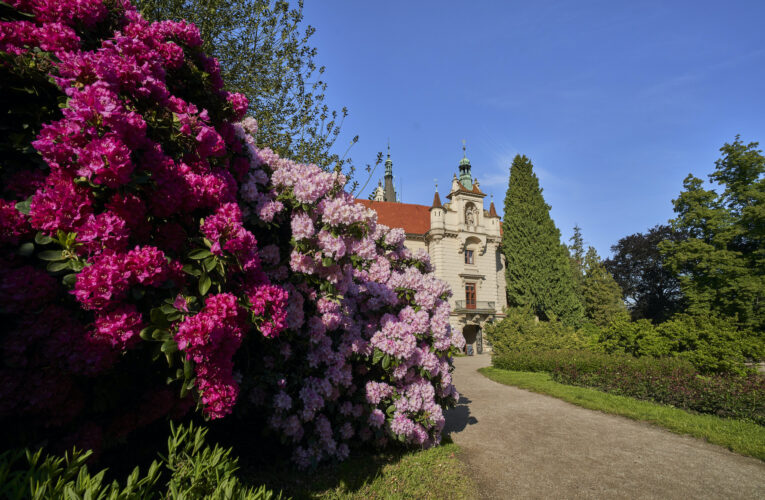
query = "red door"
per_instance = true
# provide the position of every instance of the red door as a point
(470, 295)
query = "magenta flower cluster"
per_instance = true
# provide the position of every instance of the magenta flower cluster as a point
(136, 177)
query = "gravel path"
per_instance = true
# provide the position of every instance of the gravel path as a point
(519, 444)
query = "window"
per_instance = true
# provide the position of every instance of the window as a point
(469, 259)
(470, 296)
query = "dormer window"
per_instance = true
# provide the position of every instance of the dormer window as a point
(469, 257)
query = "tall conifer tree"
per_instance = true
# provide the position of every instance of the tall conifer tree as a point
(538, 271)
(600, 293)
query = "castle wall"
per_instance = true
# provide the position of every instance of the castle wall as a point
(462, 225)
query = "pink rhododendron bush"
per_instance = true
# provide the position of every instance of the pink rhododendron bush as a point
(152, 259)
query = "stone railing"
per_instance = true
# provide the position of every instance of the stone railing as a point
(478, 306)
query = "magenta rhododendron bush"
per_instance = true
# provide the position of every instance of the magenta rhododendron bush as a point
(153, 259)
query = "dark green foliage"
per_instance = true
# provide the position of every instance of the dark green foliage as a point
(639, 268)
(637, 338)
(600, 294)
(713, 345)
(28, 98)
(721, 264)
(520, 331)
(576, 252)
(191, 469)
(264, 53)
(538, 270)
(547, 361)
(669, 382)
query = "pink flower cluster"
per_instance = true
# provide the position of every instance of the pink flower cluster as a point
(369, 328)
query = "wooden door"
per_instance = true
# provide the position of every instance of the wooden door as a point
(470, 295)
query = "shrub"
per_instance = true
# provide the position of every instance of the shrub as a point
(584, 362)
(669, 381)
(125, 224)
(366, 353)
(191, 469)
(672, 381)
(520, 331)
(141, 225)
(637, 338)
(713, 345)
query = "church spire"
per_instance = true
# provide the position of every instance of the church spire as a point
(389, 190)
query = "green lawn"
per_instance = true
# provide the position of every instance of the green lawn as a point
(428, 474)
(740, 436)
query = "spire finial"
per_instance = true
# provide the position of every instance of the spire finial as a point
(435, 181)
(388, 147)
(464, 152)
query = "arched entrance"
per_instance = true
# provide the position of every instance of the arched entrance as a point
(473, 339)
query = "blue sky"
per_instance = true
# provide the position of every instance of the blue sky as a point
(614, 102)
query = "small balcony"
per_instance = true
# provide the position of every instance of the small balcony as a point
(475, 307)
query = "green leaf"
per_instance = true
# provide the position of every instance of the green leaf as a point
(26, 249)
(42, 239)
(377, 356)
(189, 269)
(51, 255)
(386, 362)
(168, 309)
(199, 253)
(156, 315)
(69, 280)
(188, 369)
(55, 267)
(204, 284)
(209, 263)
(24, 206)
(146, 333)
(169, 346)
(159, 334)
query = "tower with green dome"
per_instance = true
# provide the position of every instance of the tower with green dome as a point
(465, 178)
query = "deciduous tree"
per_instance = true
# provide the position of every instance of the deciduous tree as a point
(651, 290)
(264, 53)
(721, 264)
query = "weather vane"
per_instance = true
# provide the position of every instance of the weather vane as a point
(435, 181)
(464, 153)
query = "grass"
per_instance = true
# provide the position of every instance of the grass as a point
(426, 474)
(746, 438)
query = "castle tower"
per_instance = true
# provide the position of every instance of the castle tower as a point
(466, 178)
(389, 192)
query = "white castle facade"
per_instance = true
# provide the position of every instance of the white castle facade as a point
(463, 240)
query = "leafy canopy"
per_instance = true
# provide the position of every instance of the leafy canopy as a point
(721, 264)
(264, 53)
(650, 288)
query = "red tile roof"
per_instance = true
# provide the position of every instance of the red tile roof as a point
(414, 219)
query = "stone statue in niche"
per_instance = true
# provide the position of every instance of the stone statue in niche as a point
(471, 215)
